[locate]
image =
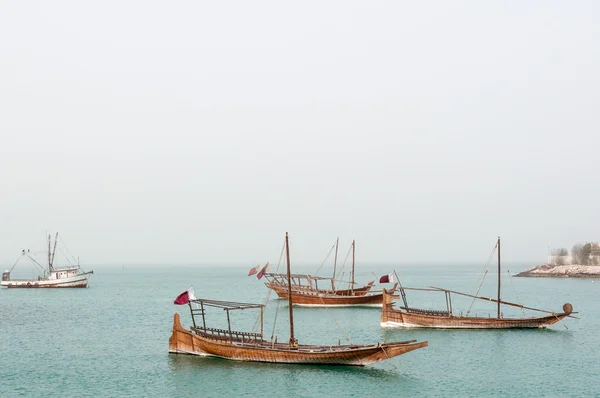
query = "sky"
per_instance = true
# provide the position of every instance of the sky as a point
(199, 132)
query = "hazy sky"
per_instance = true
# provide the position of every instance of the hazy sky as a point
(202, 131)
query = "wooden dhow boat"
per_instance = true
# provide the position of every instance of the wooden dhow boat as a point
(251, 346)
(71, 276)
(306, 291)
(310, 283)
(407, 316)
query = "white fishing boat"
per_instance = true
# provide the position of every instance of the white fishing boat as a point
(50, 277)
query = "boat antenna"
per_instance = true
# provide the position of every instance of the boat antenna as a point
(498, 277)
(353, 250)
(293, 341)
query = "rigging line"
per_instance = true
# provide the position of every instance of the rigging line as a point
(268, 296)
(386, 354)
(335, 320)
(343, 266)
(66, 247)
(487, 264)
(278, 301)
(38, 264)
(16, 262)
(275, 320)
(326, 257)
(280, 257)
(63, 253)
(514, 290)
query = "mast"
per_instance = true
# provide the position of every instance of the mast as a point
(49, 254)
(54, 250)
(293, 341)
(498, 277)
(353, 250)
(335, 258)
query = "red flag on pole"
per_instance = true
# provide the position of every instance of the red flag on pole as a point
(263, 271)
(254, 270)
(185, 297)
(387, 278)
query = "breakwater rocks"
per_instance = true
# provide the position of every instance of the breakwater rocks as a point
(562, 271)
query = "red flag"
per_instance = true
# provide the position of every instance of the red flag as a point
(185, 297)
(263, 271)
(387, 278)
(254, 270)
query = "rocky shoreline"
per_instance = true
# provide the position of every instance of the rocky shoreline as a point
(562, 271)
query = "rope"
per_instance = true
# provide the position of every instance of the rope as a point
(268, 296)
(36, 263)
(514, 291)
(16, 262)
(483, 279)
(67, 248)
(335, 321)
(275, 320)
(388, 357)
(280, 257)
(63, 253)
(326, 257)
(341, 273)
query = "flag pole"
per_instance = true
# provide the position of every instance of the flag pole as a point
(402, 292)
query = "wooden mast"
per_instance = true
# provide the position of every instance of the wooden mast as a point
(353, 250)
(498, 277)
(293, 341)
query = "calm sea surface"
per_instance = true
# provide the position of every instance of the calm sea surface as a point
(112, 339)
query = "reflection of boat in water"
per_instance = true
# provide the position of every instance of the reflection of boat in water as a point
(307, 292)
(64, 277)
(251, 346)
(407, 316)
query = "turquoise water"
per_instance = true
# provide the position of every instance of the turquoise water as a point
(112, 340)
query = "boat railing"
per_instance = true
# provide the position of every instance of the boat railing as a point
(228, 335)
(66, 268)
(421, 311)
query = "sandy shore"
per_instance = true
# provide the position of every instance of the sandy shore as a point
(563, 271)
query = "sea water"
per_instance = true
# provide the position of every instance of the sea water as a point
(111, 339)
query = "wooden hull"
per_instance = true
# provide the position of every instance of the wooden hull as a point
(391, 317)
(315, 299)
(183, 341)
(281, 290)
(78, 281)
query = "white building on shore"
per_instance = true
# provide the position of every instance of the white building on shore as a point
(593, 259)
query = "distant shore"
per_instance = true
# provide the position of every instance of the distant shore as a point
(562, 271)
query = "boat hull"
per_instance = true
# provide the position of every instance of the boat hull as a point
(281, 290)
(183, 341)
(316, 299)
(392, 317)
(403, 319)
(79, 281)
